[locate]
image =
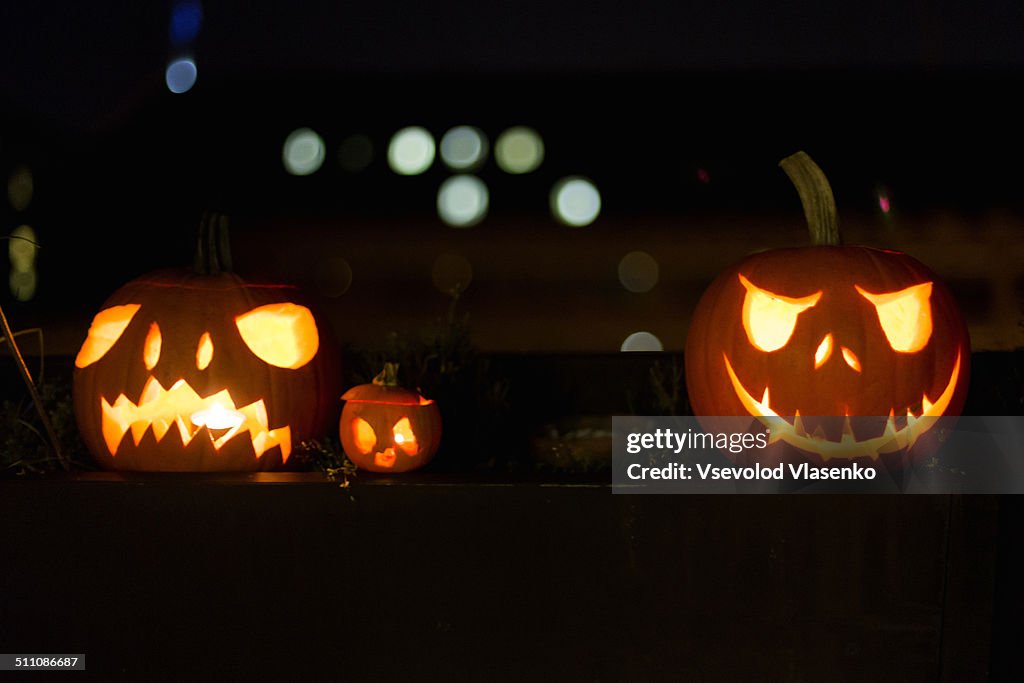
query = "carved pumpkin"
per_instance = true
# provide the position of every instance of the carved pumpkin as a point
(849, 351)
(199, 370)
(387, 428)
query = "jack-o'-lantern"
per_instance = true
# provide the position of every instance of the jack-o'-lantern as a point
(387, 428)
(199, 370)
(840, 351)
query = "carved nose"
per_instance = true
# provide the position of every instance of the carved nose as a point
(824, 352)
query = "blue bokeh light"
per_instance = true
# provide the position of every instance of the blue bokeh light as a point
(186, 18)
(180, 75)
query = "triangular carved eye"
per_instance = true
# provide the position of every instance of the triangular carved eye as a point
(405, 438)
(769, 318)
(363, 435)
(282, 335)
(107, 327)
(905, 316)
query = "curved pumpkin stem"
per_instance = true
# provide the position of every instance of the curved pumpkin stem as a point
(816, 197)
(388, 377)
(213, 248)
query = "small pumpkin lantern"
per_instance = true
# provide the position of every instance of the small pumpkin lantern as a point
(387, 428)
(841, 351)
(199, 370)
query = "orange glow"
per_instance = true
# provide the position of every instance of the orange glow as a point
(905, 316)
(217, 417)
(151, 347)
(851, 359)
(769, 318)
(385, 458)
(107, 327)
(180, 406)
(364, 435)
(824, 351)
(405, 438)
(848, 446)
(282, 335)
(204, 354)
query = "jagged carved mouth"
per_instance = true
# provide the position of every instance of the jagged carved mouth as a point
(181, 410)
(891, 439)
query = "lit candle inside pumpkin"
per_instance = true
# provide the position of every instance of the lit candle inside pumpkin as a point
(217, 417)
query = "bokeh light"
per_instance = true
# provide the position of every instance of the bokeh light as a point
(575, 201)
(181, 75)
(303, 152)
(22, 248)
(355, 153)
(23, 284)
(20, 187)
(463, 148)
(451, 273)
(642, 341)
(333, 276)
(411, 151)
(638, 272)
(519, 150)
(462, 201)
(186, 18)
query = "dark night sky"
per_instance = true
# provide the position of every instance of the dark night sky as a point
(83, 64)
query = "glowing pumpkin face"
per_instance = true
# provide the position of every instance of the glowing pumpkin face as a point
(812, 337)
(191, 372)
(830, 331)
(386, 428)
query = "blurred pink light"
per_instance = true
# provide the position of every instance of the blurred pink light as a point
(883, 203)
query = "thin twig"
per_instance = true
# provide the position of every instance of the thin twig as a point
(42, 349)
(19, 361)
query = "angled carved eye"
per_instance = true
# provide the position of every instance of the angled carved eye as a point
(769, 318)
(905, 316)
(404, 437)
(282, 335)
(151, 347)
(107, 327)
(204, 352)
(363, 434)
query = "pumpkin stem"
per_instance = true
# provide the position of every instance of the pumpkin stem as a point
(816, 197)
(213, 248)
(388, 377)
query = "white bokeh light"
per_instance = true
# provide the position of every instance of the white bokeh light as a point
(303, 152)
(642, 341)
(463, 148)
(519, 150)
(575, 201)
(411, 151)
(462, 201)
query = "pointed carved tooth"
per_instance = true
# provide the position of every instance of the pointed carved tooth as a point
(114, 427)
(261, 415)
(227, 436)
(152, 392)
(139, 428)
(890, 424)
(798, 425)
(160, 427)
(764, 399)
(819, 433)
(926, 405)
(184, 430)
(847, 427)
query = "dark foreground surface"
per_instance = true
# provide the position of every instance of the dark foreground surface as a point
(438, 577)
